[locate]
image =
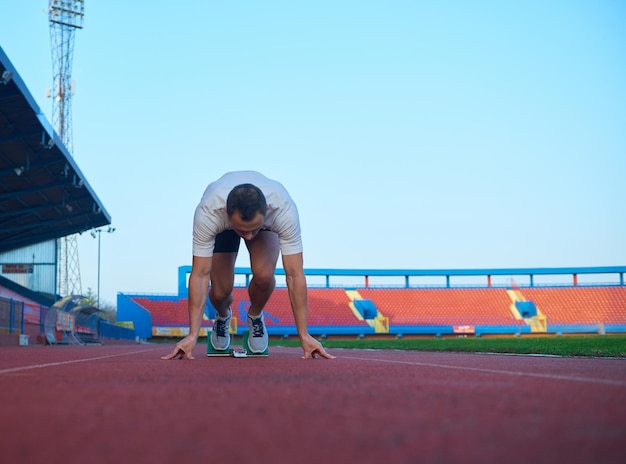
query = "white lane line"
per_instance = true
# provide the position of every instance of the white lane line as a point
(62, 363)
(500, 372)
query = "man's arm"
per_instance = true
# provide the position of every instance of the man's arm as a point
(297, 288)
(198, 285)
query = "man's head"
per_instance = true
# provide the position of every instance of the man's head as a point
(246, 208)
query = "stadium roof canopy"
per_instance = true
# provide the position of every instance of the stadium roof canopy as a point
(43, 194)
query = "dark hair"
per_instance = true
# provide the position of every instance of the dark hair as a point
(248, 199)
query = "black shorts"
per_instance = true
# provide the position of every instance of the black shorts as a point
(228, 241)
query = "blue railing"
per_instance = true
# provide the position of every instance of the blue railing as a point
(530, 274)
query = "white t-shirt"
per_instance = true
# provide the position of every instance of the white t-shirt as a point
(211, 218)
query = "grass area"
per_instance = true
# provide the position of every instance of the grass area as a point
(589, 346)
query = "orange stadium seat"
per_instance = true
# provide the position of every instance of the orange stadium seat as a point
(442, 306)
(580, 305)
(327, 307)
(166, 312)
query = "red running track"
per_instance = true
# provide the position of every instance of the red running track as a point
(123, 404)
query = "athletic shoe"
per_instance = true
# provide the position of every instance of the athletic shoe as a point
(220, 338)
(257, 337)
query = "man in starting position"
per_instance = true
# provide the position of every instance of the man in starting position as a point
(247, 205)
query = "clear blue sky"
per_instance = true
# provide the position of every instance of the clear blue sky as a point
(412, 134)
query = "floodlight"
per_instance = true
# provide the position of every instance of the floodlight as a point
(6, 77)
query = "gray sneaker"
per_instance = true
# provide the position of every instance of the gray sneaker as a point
(257, 337)
(220, 338)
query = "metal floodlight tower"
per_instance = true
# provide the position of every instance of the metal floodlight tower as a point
(65, 16)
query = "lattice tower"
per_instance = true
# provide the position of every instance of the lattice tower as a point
(65, 16)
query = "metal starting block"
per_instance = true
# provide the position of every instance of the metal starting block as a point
(237, 352)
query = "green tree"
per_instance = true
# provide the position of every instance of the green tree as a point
(109, 311)
(90, 298)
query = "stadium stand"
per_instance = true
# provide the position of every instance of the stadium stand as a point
(166, 312)
(445, 310)
(43, 193)
(442, 306)
(44, 196)
(330, 307)
(580, 305)
(332, 313)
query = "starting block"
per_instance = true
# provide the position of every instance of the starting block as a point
(210, 351)
(238, 352)
(245, 347)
